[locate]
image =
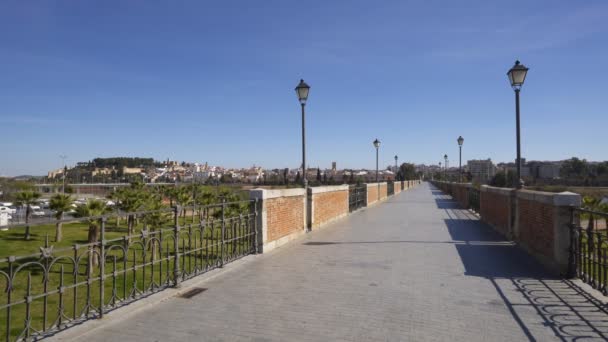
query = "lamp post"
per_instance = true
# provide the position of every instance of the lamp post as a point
(377, 146)
(302, 91)
(445, 166)
(517, 76)
(396, 166)
(460, 142)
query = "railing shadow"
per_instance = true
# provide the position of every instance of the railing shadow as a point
(527, 289)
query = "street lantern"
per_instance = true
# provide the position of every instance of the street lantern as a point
(517, 76)
(445, 166)
(302, 91)
(460, 142)
(377, 146)
(396, 166)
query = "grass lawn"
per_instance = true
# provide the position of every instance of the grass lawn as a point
(147, 267)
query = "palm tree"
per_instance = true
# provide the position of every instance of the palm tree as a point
(61, 203)
(155, 218)
(184, 198)
(90, 210)
(27, 199)
(129, 200)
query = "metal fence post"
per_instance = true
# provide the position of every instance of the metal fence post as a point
(102, 265)
(222, 249)
(176, 270)
(255, 226)
(572, 251)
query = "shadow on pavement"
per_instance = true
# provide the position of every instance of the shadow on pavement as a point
(524, 285)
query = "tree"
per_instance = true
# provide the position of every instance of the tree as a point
(27, 199)
(130, 199)
(408, 171)
(504, 179)
(298, 177)
(574, 168)
(61, 204)
(319, 177)
(91, 211)
(184, 198)
(285, 174)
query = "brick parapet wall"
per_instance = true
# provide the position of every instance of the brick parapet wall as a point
(537, 221)
(282, 216)
(383, 191)
(327, 203)
(372, 194)
(496, 208)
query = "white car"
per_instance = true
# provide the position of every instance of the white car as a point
(34, 207)
(7, 210)
(38, 213)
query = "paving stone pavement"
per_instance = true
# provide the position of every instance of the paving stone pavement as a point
(414, 268)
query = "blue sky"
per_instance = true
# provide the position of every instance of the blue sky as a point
(213, 81)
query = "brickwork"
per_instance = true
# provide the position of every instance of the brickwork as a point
(495, 210)
(372, 194)
(460, 192)
(328, 206)
(538, 221)
(383, 191)
(285, 215)
(535, 226)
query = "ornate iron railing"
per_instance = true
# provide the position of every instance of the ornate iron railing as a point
(589, 248)
(357, 196)
(55, 288)
(473, 196)
(390, 188)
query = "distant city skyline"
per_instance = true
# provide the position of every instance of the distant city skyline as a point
(215, 82)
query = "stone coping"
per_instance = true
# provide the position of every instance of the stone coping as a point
(275, 193)
(328, 188)
(376, 184)
(496, 190)
(562, 199)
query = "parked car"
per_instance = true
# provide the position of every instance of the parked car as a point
(38, 213)
(8, 210)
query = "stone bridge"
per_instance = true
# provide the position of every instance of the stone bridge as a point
(416, 267)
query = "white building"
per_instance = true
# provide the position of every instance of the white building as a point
(482, 170)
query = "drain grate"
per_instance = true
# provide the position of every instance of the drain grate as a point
(193, 292)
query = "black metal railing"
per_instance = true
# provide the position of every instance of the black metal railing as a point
(473, 196)
(357, 196)
(390, 188)
(589, 248)
(54, 288)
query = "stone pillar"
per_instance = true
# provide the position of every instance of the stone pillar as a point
(282, 216)
(563, 203)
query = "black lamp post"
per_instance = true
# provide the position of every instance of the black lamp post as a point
(445, 166)
(302, 91)
(396, 166)
(377, 146)
(517, 76)
(460, 142)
